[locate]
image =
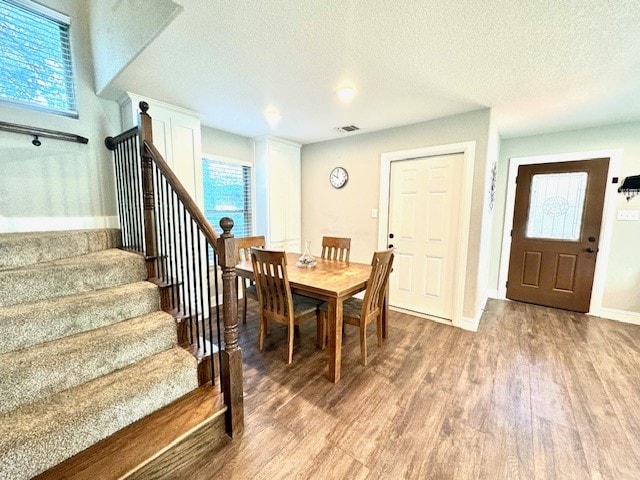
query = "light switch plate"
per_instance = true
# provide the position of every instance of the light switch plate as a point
(628, 215)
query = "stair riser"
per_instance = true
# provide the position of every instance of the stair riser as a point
(25, 325)
(50, 368)
(21, 249)
(30, 285)
(67, 423)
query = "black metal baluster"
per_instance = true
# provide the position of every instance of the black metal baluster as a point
(181, 307)
(173, 260)
(160, 243)
(127, 181)
(118, 171)
(215, 280)
(210, 311)
(138, 194)
(167, 261)
(195, 287)
(201, 288)
(188, 277)
(165, 233)
(135, 191)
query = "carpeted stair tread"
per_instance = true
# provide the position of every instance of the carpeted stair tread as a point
(68, 276)
(28, 324)
(35, 372)
(20, 249)
(39, 435)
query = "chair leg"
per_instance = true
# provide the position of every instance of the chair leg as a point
(290, 349)
(363, 342)
(263, 328)
(244, 310)
(379, 330)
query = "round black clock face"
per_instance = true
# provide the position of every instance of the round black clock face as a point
(338, 177)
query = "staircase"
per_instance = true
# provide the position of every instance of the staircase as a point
(85, 349)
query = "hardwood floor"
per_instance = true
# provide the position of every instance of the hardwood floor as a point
(535, 393)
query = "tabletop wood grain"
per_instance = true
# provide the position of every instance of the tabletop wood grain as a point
(329, 278)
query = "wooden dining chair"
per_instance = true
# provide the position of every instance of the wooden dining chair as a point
(277, 303)
(362, 312)
(244, 245)
(336, 248)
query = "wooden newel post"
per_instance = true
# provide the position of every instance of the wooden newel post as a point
(231, 356)
(147, 191)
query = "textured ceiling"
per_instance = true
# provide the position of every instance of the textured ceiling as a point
(543, 65)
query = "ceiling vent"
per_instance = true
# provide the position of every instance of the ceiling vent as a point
(348, 128)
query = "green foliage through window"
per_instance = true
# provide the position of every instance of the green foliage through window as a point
(35, 58)
(227, 193)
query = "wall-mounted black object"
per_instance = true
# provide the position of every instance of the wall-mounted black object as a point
(41, 132)
(630, 186)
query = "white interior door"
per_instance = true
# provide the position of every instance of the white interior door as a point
(424, 224)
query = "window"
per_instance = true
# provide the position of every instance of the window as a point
(35, 58)
(556, 204)
(227, 193)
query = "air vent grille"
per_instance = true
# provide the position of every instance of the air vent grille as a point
(348, 128)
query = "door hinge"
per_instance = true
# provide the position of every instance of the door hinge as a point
(506, 284)
(516, 179)
(511, 233)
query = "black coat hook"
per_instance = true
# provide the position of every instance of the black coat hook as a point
(35, 141)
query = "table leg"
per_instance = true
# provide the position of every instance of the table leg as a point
(334, 318)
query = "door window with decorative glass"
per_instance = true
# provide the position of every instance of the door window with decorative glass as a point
(556, 205)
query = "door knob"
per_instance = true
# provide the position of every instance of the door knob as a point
(591, 250)
(391, 235)
(591, 239)
(391, 245)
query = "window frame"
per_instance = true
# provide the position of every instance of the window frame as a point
(252, 187)
(53, 15)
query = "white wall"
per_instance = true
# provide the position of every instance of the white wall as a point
(225, 144)
(493, 149)
(121, 29)
(61, 184)
(621, 290)
(346, 212)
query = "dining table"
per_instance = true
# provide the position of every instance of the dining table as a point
(332, 281)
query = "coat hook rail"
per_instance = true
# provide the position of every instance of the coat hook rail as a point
(41, 132)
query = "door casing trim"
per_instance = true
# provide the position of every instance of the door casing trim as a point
(468, 150)
(606, 229)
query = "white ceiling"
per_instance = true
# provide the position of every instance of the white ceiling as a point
(544, 65)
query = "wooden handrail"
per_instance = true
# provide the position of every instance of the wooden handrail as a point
(183, 195)
(169, 234)
(112, 142)
(42, 132)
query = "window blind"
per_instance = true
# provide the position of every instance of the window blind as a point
(227, 193)
(35, 58)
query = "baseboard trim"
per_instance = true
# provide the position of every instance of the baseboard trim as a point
(444, 321)
(620, 315)
(49, 224)
(469, 323)
(465, 323)
(492, 293)
(472, 323)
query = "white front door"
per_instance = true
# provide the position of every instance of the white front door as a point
(424, 223)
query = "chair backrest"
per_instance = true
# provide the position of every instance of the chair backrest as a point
(377, 284)
(272, 282)
(336, 248)
(244, 245)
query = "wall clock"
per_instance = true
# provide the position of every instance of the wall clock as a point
(338, 177)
